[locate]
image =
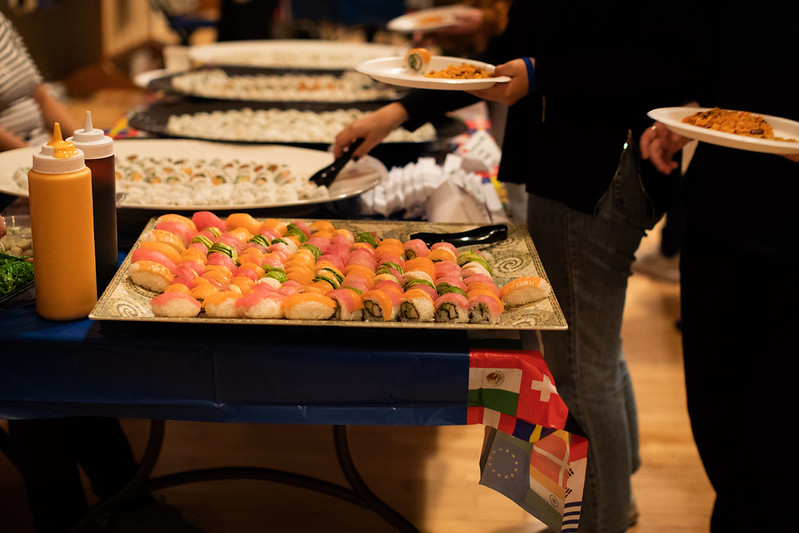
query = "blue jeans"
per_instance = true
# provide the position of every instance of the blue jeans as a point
(587, 259)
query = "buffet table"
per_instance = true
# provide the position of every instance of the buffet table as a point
(290, 374)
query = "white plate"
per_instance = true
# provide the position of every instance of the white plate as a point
(355, 179)
(297, 54)
(429, 19)
(392, 70)
(672, 117)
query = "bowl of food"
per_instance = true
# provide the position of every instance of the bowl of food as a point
(16, 238)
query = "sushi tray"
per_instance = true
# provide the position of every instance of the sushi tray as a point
(511, 258)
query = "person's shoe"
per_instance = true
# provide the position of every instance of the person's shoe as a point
(155, 517)
(657, 266)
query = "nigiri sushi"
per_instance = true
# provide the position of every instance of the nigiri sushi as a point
(150, 275)
(222, 304)
(308, 306)
(175, 304)
(261, 303)
(524, 290)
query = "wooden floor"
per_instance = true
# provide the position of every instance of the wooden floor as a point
(430, 474)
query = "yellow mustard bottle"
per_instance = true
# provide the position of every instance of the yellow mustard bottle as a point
(62, 230)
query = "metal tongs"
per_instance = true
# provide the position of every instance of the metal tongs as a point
(324, 177)
(479, 235)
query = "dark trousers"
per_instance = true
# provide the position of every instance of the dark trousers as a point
(740, 314)
(49, 453)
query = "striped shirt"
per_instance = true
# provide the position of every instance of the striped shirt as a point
(19, 77)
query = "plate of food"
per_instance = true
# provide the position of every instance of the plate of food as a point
(178, 174)
(742, 130)
(241, 269)
(435, 18)
(419, 69)
(290, 53)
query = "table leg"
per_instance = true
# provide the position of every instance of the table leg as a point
(358, 493)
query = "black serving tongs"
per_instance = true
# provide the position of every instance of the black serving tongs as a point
(476, 236)
(325, 176)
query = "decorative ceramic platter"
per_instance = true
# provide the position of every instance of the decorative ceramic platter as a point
(672, 118)
(392, 70)
(512, 258)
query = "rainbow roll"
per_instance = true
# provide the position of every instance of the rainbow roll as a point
(452, 308)
(381, 304)
(416, 306)
(349, 305)
(484, 307)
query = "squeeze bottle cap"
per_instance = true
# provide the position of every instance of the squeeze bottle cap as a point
(94, 143)
(58, 156)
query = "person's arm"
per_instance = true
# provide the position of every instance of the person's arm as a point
(9, 141)
(373, 127)
(54, 111)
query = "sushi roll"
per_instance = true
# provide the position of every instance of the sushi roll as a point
(308, 306)
(452, 308)
(261, 303)
(222, 304)
(418, 60)
(524, 290)
(349, 305)
(476, 257)
(484, 307)
(416, 306)
(381, 304)
(175, 304)
(415, 248)
(150, 275)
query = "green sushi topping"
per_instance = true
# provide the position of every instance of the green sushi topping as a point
(205, 241)
(468, 257)
(292, 229)
(277, 274)
(444, 288)
(414, 282)
(213, 230)
(329, 281)
(366, 237)
(224, 249)
(353, 289)
(260, 240)
(279, 241)
(330, 272)
(314, 249)
(387, 267)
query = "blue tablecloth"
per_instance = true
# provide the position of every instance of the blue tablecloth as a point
(236, 373)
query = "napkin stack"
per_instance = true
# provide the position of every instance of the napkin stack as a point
(437, 193)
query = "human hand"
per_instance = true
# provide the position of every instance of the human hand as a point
(658, 144)
(373, 127)
(512, 91)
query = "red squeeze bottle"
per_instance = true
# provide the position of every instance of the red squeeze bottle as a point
(98, 151)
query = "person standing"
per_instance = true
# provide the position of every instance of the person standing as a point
(583, 76)
(738, 269)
